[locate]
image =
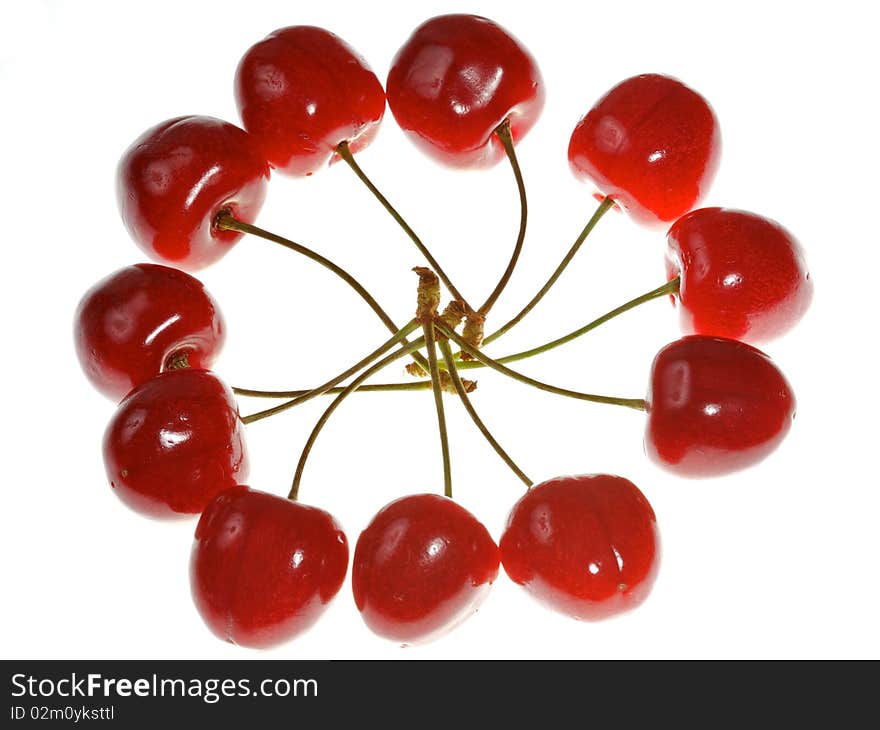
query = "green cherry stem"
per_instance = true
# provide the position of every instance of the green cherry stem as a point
(320, 390)
(606, 204)
(345, 153)
(506, 139)
(430, 344)
(226, 221)
(638, 404)
(367, 388)
(670, 287)
(466, 402)
(348, 390)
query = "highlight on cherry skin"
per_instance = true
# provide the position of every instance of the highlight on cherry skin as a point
(715, 405)
(302, 91)
(743, 276)
(142, 320)
(422, 566)
(587, 546)
(177, 176)
(175, 442)
(652, 144)
(264, 568)
(455, 80)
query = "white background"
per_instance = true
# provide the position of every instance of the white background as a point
(778, 561)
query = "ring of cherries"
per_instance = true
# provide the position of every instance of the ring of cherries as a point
(264, 567)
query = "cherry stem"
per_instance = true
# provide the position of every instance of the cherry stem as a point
(430, 344)
(371, 388)
(320, 390)
(638, 404)
(344, 152)
(506, 139)
(466, 402)
(606, 204)
(226, 221)
(670, 287)
(350, 388)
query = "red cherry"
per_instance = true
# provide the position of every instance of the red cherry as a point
(586, 546)
(652, 144)
(714, 406)
(177, 176)
(301, 91)
(742, 276)
(421, 567)
(263, 568)
(455, 80)
(175, 442)
(142, 319)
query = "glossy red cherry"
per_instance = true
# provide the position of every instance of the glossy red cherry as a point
(263, 568)
(301, 91)
(141, 320)
(421, 567)
(586, 546)
(715, 405)
(455, 80)
(652, 144)
(742, 275)
(177, 176)
(174, 443)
